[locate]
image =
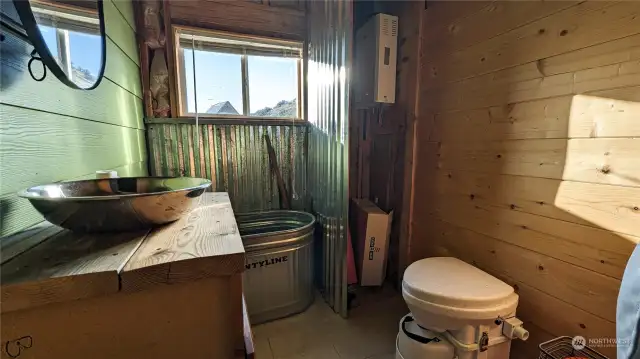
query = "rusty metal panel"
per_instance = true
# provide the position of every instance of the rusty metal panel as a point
(329, 65)
(234, 158)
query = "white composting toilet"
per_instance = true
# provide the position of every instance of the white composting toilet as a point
(457, 310)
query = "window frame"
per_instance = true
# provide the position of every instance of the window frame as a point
(180, 79)
(79, 20)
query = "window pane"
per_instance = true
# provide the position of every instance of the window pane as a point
(49, 35)
(273, 86)
(218, 82)
(85, 50)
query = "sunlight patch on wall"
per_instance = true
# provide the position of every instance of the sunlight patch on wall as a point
(601, 181)
(593, 117)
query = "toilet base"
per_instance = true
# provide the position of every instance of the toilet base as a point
(413, 342)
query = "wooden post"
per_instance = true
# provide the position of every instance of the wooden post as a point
(145, 62)
(170, 55)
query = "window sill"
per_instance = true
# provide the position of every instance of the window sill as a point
(264, 121)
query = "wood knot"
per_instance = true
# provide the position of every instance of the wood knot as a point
(564, 32)
(472, 196)
(482, 59)
(541, 31)
(636, 208)
(524, 227)
(583, 326)
(493, 252)
(605, 169)
(513, 206)
(541, 203)
(540, 267)
(498, 156)
(449, 175)
(602, 261)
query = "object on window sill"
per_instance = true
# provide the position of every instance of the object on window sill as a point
(159, 86)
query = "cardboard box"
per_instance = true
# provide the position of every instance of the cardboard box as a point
(371, 227)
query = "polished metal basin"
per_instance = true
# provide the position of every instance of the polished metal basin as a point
(116, 204)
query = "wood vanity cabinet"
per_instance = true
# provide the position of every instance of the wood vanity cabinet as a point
(171, 292)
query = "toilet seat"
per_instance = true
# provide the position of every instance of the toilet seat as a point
(450, 288)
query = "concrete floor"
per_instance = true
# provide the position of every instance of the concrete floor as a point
(369, 332)
(319, 333)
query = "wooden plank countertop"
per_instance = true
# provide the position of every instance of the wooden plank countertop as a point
(50, 265)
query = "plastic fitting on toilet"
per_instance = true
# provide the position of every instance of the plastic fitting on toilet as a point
(512, 329)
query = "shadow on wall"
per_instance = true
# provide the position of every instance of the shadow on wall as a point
(5, 205)
(530, 174)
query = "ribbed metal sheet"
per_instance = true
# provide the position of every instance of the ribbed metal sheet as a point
(278, 280)
(329, 66)
(235, 158)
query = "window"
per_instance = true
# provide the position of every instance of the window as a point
(237, 76)
(72, 34)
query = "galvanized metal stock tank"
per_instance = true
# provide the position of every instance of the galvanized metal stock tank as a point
(278, 280)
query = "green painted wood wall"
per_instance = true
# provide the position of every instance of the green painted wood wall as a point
(49, 132)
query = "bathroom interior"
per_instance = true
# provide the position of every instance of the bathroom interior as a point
(496, 141)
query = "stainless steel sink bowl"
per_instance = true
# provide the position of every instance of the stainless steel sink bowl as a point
(116, 204)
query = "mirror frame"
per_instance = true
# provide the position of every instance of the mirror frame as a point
(30, 25)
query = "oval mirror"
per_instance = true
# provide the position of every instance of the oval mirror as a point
(68, 36)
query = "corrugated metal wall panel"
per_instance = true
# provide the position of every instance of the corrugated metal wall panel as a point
(329, 65)
(235, 158)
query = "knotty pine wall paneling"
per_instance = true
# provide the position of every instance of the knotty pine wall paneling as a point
(527, 152)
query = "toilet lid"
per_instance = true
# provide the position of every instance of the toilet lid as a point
(451, 282)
